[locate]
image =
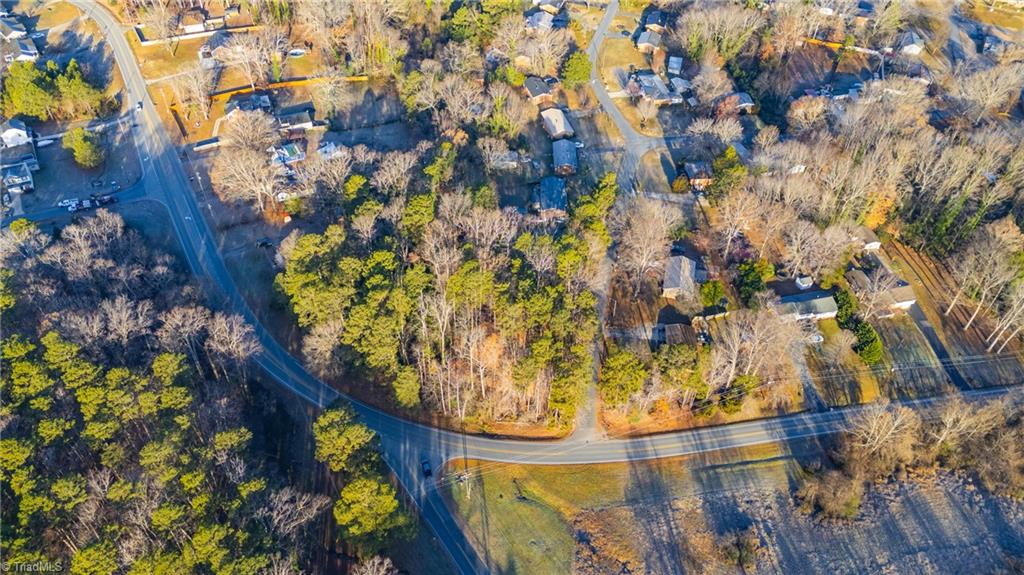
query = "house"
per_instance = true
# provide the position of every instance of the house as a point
(655, 21)
(653, 88)
(681, 85)
(540, 21)
(537, 90)
(898, 298)
(910, 43)
(551, 7)
(648, 42)
(813, 305)
(249, 103)
(564, 154)
(23, 154)
(20, 50)
(865, 239)
(743, 103)
(556, 123)
(682, 276)
(675, 65)
(699, 174)
(296, 118)
(550, 200)
(14, 133)
(17, 179)
(11, 29)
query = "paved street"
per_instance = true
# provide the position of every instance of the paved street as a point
(405, 443)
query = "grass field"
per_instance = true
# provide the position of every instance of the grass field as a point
(542, 519)
(910, 368)
(840, 376)
(1005, 17)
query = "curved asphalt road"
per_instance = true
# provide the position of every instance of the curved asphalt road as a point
(405, 444)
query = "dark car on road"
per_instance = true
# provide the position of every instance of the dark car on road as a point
(427, 471)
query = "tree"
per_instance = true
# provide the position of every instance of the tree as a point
(750, 279)
(576, 71)
(375, 565)
(341, 442)
(28, 91)
(158, 21)
(987, 90)
(368, 512)
(251, 130)
(191, 87)
(246, 174)
(407, 387)
(85, 146)
(711, 293)
(622, 376)
(244, 51)
(985, 267)
(644, 227)
(873, 292)
(77, 97)
(881, 437)
(729, 174)
(647, 108)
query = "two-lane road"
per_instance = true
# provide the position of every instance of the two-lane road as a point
(405, 444)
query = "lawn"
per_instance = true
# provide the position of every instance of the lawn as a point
(528, 517)
(618, 53)
(910, 368)
(656, 172)
(1004, 17)
(49, 16)
(840, 376)
(157, 61)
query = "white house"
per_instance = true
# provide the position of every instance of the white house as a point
(14, 133)
(556, 123)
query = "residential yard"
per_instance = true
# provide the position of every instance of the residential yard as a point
(840, 376)
(656, 172)
(1001, 16)
(59, 177)
(671, 516)
(159, 60)
(910, 368)
(967, 350)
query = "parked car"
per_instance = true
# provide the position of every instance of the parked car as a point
(138, 106)
(427, 471)
(67, 202)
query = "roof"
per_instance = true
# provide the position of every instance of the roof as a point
(556, 123)
(683, 274)
(17, 154)
(678, 333)
(698, 170)
(675, 64)
(900, 295)
(649, 37)
(865, 236)
(541, 20)
(808, 304)
(655, 18)
(288, 153)
(295, 116)
(249, 102)
(743, 100)
(681, 85)
(11, 28)
(536, 87)
(550, 194)
(652, 86)
(564, 152)
(16, 174)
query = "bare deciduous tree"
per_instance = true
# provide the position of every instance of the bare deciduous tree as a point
(244, 52)
(191, 87)
(255, 131)
(873, 292)
(984, 267)
(245, 174)
(644, 228)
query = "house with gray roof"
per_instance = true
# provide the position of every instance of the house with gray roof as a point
(564, 157)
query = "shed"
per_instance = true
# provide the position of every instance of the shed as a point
(699, 174)
(648, 42)
(564, 154)
(556, 123)
(537, 90)
(550, 200)
(682, 275)
(677, 333)
(675, 65)
(744, 103)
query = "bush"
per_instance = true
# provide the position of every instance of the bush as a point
(729, 173)
(869, 345)
(835, 495)
(510, 75)
(85, 146)
(847, 305)
(681, 184)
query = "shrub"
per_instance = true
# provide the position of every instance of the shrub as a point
(869, 345)
(711, 293)
(847, 305)
(751, 278)
(576, 71)
(681, 184)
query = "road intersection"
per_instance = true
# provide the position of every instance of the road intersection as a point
(405, 443)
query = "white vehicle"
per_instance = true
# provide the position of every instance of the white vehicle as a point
(580, 144)
(72, 208)
(67, 202)
(43, 143)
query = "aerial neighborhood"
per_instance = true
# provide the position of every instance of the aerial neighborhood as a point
(374, 287)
